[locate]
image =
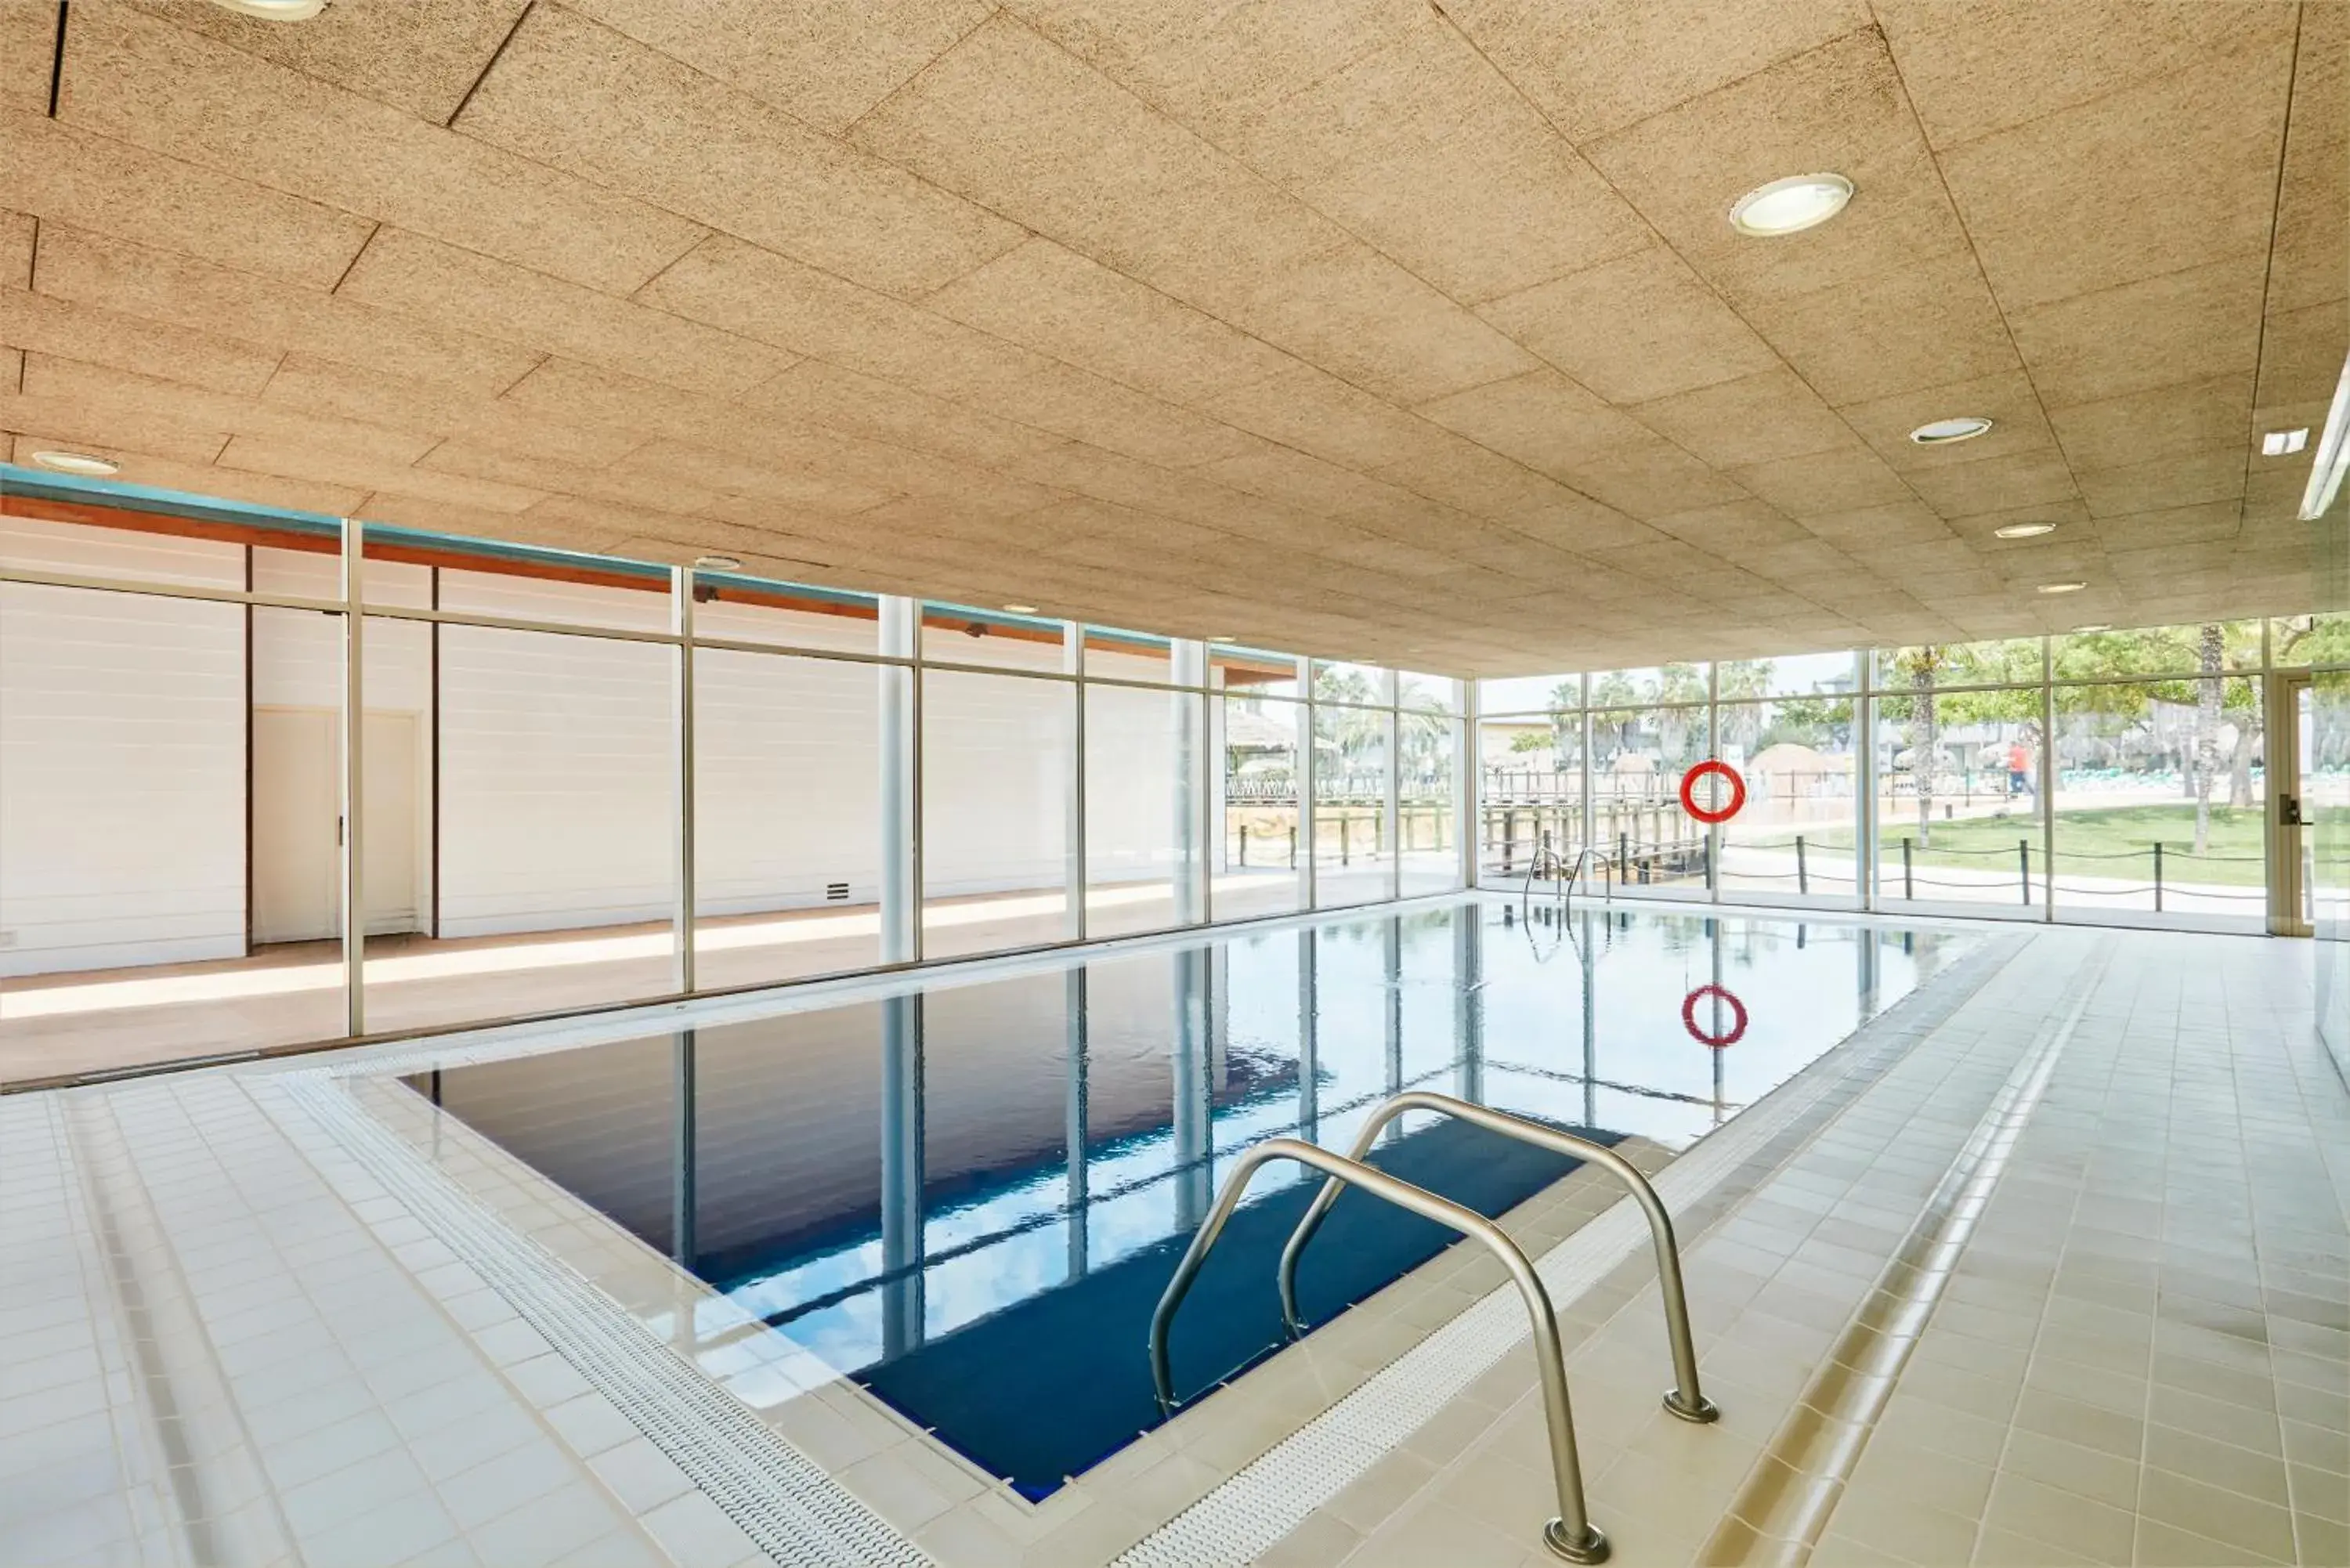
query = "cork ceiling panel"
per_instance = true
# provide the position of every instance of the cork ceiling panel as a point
(821, 62)
(1594, 68)
(1052, 299)
(32, 321)
(28, 36)
(1466, 187)
(2019, 422)
(595, 103)
(1376, 330)
(2150, 332)
(1967, 79)
(1639, 326)
(109, 187)
(462, 290)
(1839, 107)
(2099, 193)
(17, 234)
(420, 55)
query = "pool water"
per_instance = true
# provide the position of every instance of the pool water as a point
(969, 1195)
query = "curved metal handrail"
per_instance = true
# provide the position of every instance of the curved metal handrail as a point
(1562, 872)
(1686, 1399)
(1572, 1534)
(1544, 854)
(1584, 858)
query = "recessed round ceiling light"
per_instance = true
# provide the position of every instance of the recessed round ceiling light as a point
(80, 463)
(1020, 609)
(2023, 530)
(2062, 587)
(274, 10)
(1791, 205)
(1941, 432)
(718, 562)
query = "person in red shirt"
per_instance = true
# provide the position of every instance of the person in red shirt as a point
(2019, 768)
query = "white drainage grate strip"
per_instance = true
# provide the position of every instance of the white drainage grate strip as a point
(777, 1496)
(1273, 1494)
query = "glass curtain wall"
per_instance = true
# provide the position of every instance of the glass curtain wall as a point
(2319, 718)
(1260, 741)
(1959, 777)
(1145, 808)
(1530, 751)
(2100, 775)
(558, 781)
(1641, 829)
(1640, 756)
(999, 781)
(1795, 834)
(1355, 807)
(1429, 741)
(786, 843)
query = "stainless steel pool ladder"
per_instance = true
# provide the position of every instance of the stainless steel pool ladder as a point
(1563, 873)
(1584, 858)
(1571, 1535)
(1685, 1399)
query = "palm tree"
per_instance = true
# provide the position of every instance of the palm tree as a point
(2208, 695)
(1921, 664)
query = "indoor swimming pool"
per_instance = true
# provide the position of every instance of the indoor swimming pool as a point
(969, 1195)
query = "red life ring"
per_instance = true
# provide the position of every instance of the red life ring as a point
(1689, 1017)
(1737, 791)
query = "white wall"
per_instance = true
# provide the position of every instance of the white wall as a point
(997, 764)
(121, 755)
(1131, 798)
(731, 621)
(541, 599)
(556, 808)
(787, 755)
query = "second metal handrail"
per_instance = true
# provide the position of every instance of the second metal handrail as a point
(1571, 1535)
(1584, 858)
(1562, 872)
(1685, 1400)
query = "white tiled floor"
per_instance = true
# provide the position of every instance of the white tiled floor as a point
(232, 1330)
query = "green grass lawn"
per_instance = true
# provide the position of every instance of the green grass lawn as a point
(2086, 843)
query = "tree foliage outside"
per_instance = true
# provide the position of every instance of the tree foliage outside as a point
(2179, 665)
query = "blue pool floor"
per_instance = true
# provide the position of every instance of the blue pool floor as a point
(1071, 1359)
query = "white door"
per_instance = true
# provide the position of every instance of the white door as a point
(2285, 767)
(390, 752)
(297, 824)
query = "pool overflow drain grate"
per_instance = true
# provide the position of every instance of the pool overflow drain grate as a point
(781, 1499)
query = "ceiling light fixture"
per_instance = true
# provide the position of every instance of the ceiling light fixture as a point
(2285, 443)
(1020, 609)
(2062, 587)
(2023, 530)
(1941, 432)
(2093, 625)
(717, 564)
(2333, 453)
(274, 10)
(80, 463)
(1791, 205)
